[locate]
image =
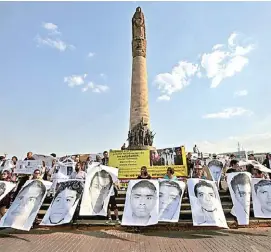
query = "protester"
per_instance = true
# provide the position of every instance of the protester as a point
(189, 163)
(234, 166)
(36, 175)
(14, 159)
(112, 205)
(144, 173)
(29, 156)
(250, 167)
(105, 159)
(123, 147)
(267, 162)
(170, 174)
(199, 173)
(5, 202)
(78, 174)
(257, 174)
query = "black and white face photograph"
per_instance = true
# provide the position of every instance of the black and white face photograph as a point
(239, 184)
(22, 212)
(70, 170)
(5, 188)
(205, 203)
(261, 197)
(170, 198)
(64, 204)
(97, 191)
(215, 167)
(142, 203)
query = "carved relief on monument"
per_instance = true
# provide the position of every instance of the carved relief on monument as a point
(138, 22)
(139, 47)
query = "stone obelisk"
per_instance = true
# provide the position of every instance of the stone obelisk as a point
(139, 136)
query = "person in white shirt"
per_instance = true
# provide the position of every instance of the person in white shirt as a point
(78, 174)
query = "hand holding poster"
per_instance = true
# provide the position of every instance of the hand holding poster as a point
(98, 188)
(27, 166)
(240, 189)
(142, 203)
(170, 198)
(64, 203)
(261, 197)
(22, 212)
(205, 203)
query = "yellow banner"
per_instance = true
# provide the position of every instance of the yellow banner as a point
(130, 162)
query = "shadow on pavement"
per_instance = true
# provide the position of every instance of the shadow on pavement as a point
(200, 234)
(13, 237)
(11, 233)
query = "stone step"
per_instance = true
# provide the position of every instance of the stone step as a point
(181, 224)
(184, 214)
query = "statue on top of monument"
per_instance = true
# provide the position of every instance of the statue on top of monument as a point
(138, 23)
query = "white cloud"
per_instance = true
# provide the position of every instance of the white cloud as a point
(222, 62)
(103, 76)
(54, 43)
(257, 138)
(180, 76)
(228, 113)
(95, 88)
(91, 54)
(163, 98)
(241, 93)
(215, 47)
(75, 80)
(53, 28)
(257, 142)
(225, 61)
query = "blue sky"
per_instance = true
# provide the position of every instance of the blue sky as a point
(216, 96)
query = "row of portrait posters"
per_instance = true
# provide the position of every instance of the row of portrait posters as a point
(157, 161)
(150, 201)
(147, 201)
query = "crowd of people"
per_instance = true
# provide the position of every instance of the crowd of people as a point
(196, 169)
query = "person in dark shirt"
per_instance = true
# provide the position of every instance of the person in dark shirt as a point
(29, 156)
(178, 159)
(234, 164)
(144, 173)
(189, 163)
(105, 159)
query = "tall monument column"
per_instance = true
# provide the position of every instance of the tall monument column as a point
(140, 136)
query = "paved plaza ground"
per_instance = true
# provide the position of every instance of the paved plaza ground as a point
(255, 240)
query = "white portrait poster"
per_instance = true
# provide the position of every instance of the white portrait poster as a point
(261, 197)
(24, 209)
(142, 203)
(7, 165)
(5, 188)
(48, 160)
(64, 204)
(239, 184)
(27, 166)
(215, 166)
(97, 190)
(170, 198)
(205, 203)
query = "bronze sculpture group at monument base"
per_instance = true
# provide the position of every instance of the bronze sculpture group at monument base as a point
(140, 137)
